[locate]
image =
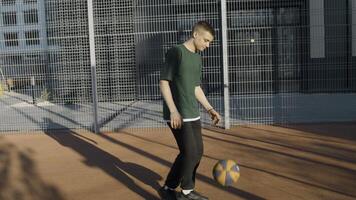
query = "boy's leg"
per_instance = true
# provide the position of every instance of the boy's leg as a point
(199, 144)
(174, 175)
(191, 193)
(183, 168)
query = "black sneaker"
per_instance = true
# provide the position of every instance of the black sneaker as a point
(192, 195)
(167, 194)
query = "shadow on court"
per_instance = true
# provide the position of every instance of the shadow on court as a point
(19, 176)
(342, 130)
(111, 165)
(199, 176)
(275, 162)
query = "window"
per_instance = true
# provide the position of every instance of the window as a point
(32, 37)
(29, 1)
(31, 16)
(33, 56)
(9, 18)
(11, 39)
(13, 59)
(8, 2)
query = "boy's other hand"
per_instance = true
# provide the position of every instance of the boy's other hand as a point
(176, 120)
(215, 116)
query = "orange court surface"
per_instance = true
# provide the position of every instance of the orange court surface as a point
(310, 161)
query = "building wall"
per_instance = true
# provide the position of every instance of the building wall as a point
(24, 55)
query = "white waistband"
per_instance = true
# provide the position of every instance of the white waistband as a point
(188, 119)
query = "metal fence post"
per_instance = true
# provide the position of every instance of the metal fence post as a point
(93, 64)
(33, 83)
(225, 63)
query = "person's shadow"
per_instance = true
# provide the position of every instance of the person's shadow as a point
(20, 177)
(113, 166)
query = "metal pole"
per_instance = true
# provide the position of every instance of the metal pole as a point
(352, 43)
(225, 64)
(93, 64)
(33, 89)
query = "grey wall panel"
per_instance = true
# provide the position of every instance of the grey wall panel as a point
(317, 28)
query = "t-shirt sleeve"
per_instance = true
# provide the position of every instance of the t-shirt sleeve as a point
(198, 82)
(171, 64)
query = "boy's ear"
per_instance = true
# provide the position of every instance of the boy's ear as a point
(195, 34)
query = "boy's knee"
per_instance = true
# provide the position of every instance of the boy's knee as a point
(194, 156)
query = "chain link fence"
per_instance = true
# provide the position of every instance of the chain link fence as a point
(271, 62)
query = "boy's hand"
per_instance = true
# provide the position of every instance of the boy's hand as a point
(215, 117)
(176, 120)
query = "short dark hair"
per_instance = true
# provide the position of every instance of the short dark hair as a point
(204, 25)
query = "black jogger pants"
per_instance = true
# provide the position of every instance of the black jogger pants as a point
(190, 144)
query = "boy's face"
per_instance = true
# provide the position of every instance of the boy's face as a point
(202, 39)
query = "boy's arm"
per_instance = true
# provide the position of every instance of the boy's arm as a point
(199, 94)
(176, 119)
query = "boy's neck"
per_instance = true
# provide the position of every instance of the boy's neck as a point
(189, 44)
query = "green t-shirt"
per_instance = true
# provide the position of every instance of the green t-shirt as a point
(182, 69)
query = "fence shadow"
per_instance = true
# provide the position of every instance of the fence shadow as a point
(110, 164)
(19, 177)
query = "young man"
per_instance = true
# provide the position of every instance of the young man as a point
(180, 87)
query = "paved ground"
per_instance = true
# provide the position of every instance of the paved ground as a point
(296, 162)
(17, 112)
